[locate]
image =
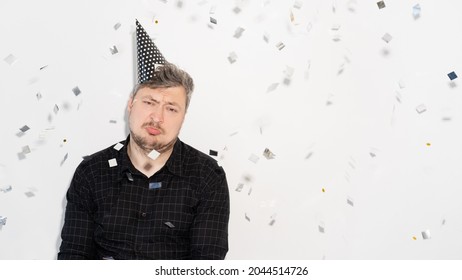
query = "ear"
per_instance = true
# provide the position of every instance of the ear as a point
(130, 104)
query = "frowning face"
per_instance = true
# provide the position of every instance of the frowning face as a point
(155, 117)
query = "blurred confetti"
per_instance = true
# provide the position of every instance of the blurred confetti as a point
(416, 11)
(113, 50)
(10, 59)
(76, 91)
(56, 109)
(381, 4)
(321, 228)
(239, 188)
(6, 189)
(29, 194)
(247, 217)
(268, 154)
(38, 95)
(250, 191)
(421, 108)
(272, 87)
(280, 45)
(298, 4)
(266, 38)
(308, 155)
(213, 153)
(117, 25)
(426, 234)
(238, 32)
(129, 176)
(155, 185)
(237, 10)
(169, 224)
(26, 150)
(254, 158)
(112, 121)
(387, 37)
(350, 201)
(24, 128)
(2, 222)
(452, 75)
(64, 159)
(232, 57)
(212, 20)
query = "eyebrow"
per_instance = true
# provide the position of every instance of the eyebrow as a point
(157, 101)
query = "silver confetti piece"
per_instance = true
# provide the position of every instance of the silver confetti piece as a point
(266, 38)
(56, 109)
(387, 37)
(26, 150)
(237, 10)
(247, 217)
(39, 96)
(169, 224)
(308, 155)
(117, 25)
(254, 158)
(24, 128)
(239, 188)
(238, 32)
(29, 194)
(212, 20)
(232, 57)
(280, 45)
(113, 50)
(112, 121)
(64, 159)
(426, 234)
(10, 59)
(381, 4)
(272, 87)
(321, 228)
(2, 221)
(268, 154)
(298, 5)
(421, 108)
(112, 162)
(129, 177)
(250, 191)
(350, 201)
(416, 11)
(6, 189)
(76, 91)
(118, 146)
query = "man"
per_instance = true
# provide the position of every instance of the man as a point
(155, 197)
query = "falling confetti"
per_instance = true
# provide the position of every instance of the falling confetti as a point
(29, 194)
(298, 5)
(426, 234)
(280, 45)
(212, 20)
(350, 201)
(56, 109)
(421, 108)
(429, 144)
(169, 224)
(247, 217)
(113, 50)
(321, 228)
(416, 11)
(268, 154)
(153, 154)
(308, 155)
(250, 191)
(414, 238)
(323, 190)
(129, 176)
(452, 75)
(6, 189)
(232, 57)
(254, 158)
(24, 128)
(237, 10)
(64, 159)
(10, 59)
(213, 153)
(39, 95)
(76, 91)
(118, 146)
(117, 25)
(266, 38)
(43, 67)
(26, 150)
(272, 87)
(381, 4)
(238, 32)
(2, 222)
(239, 188)
(155, 185)
(387, 37)
(112, 162)
(112, 121)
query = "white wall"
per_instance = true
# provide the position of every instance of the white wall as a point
(407, 188)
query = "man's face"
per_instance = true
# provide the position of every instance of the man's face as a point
(155, 117)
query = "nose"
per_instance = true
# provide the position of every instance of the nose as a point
(157, 115)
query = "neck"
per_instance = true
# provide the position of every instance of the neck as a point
(145, 164)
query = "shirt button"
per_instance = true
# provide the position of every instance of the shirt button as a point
(143, 215)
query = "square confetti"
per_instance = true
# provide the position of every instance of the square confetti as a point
(232, 57)
(254, 158)
(113, 50)
(117, 26)
(421, 108)
(29, 194)
(416, 11)
(213, 153)
(26, 150)
(280, 45)
(212, 20)
(153, 154)
(426, 234)
(239, 188)
(10, 59)
(381, 4)
(272, 87)
(238, 32)
(24, 128)
(155, 185)
(2, 221)
(387, 37)
(452, 75)
(118, 146)
(76, 91)
(112, 162)
(268, 154)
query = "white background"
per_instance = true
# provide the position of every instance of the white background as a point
(346, 123)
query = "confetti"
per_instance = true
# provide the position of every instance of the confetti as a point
(350, 201)
(43, 67)
(415, 238)
(428, 144)
(247, 217)
(298, 5)
(213, 153)
(308, 155)
(21, 156)
(266, 38)
(26, 150)
(24, 128)
(155, 185)
(443, 222)
(56, 109)
(254, 158)
(113, 50)
(323, 190)
(247, 178)
(64, 159)
(39, 95)
(352, 6)
(29, 194)
(108, 258)
(426, 234)
(179, 4)
(280, 45)
(118, 146)
(268, 154)
(335, 27)
(117, 25)
(76, 91)
(154, 154)
(169, 224)
(212, 10)
(239, 188)
(421, 108)
(112, 162)
(2, 222)
(232, 57)
(387, 37)
(6, 189)
(271, 223)
(416, 11)
(250, 191)
(238, 32)
(237, 10)
(129, 176)
(321, 228)
(272, 87)
(10, 59)
(452, 75)
(381, 4)
(212, 20)
(112, 121)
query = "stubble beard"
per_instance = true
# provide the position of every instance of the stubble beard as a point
(143, 144)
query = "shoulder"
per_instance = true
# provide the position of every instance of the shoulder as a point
(197, 161)
(99, 159)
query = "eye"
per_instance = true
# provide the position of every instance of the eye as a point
(147, 102)
(173, 110)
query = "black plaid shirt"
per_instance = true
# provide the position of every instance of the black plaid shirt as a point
(181, 212)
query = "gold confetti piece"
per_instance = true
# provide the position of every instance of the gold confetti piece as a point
(156, 22)
(415, 238)
(323, 190)
(429, 144)
(64, 140)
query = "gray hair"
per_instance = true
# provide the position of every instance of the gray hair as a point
(166, 76)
